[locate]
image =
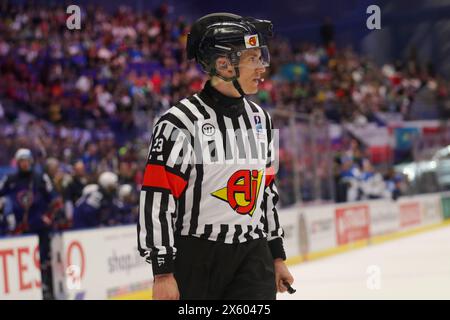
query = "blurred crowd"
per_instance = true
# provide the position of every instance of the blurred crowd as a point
(82, 100)
(126, 61)
(357, 179)
(348, 87)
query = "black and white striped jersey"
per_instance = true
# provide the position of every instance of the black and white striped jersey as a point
(209, 174)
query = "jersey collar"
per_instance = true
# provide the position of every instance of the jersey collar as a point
(225, 105)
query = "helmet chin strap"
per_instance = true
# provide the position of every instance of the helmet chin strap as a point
(234, 80)
(238, 88)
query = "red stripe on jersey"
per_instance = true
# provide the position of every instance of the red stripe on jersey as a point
(158, 176)
(270, 176)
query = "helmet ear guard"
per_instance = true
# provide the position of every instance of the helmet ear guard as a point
(223, 65)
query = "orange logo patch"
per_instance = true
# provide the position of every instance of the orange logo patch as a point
(251, 41)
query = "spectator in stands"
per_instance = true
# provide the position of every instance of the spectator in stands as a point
(371, 183)
(59, 179)
(349, 179)
(71, 185)
(74, 188)
(395, 184)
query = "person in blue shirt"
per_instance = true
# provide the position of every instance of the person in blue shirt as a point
(349, 179)
(3, 222)
(97, 205)
(33, 204)
(371, 182)
(128, 205)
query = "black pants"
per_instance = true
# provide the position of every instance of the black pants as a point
(210, 270)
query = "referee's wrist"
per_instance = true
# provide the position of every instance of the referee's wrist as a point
(162, 264)
(163, 276)
(277, 249)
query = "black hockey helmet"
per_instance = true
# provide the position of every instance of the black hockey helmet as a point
(227, 35)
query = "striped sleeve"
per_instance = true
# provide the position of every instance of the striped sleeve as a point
(165, 179)
(272, 226)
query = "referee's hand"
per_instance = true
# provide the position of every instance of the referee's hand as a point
(282, 274)
(165, 287)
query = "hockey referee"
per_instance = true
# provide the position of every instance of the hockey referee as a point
(208, 219)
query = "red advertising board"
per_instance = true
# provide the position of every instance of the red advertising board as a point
(409, 214)
(20, 276)
(352, 223)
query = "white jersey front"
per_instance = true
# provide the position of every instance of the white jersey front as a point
(209, 175)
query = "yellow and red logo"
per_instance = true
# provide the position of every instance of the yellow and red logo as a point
(241, 191)
(251, 41)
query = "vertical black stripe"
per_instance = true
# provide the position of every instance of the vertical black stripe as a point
(180, 214)
(225, 138)
(268, 125)
(140, 249)
(197, 194)
(264, 210)
(171, 140)
(223, 233)
(276, 197)
(239, 137)
(275, 218)
(165, 240)
(237, 233)
(251, 136)
(170, 250)
(269, 128)
(247, 234)
(263, 222)
(199, 106)
(252, 105)
(213, 150)
(269, 156)
(208, 231)
(182, 158)
(148, 216)
(274, 210)
(173, 136)
(259, 232)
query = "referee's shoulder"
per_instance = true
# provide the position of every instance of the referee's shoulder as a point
(177, 116)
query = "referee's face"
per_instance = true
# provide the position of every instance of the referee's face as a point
(251, 69)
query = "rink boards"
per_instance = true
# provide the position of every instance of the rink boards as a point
(104, 263)
(331, 229)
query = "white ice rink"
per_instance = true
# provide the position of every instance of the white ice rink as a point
(414, 267)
